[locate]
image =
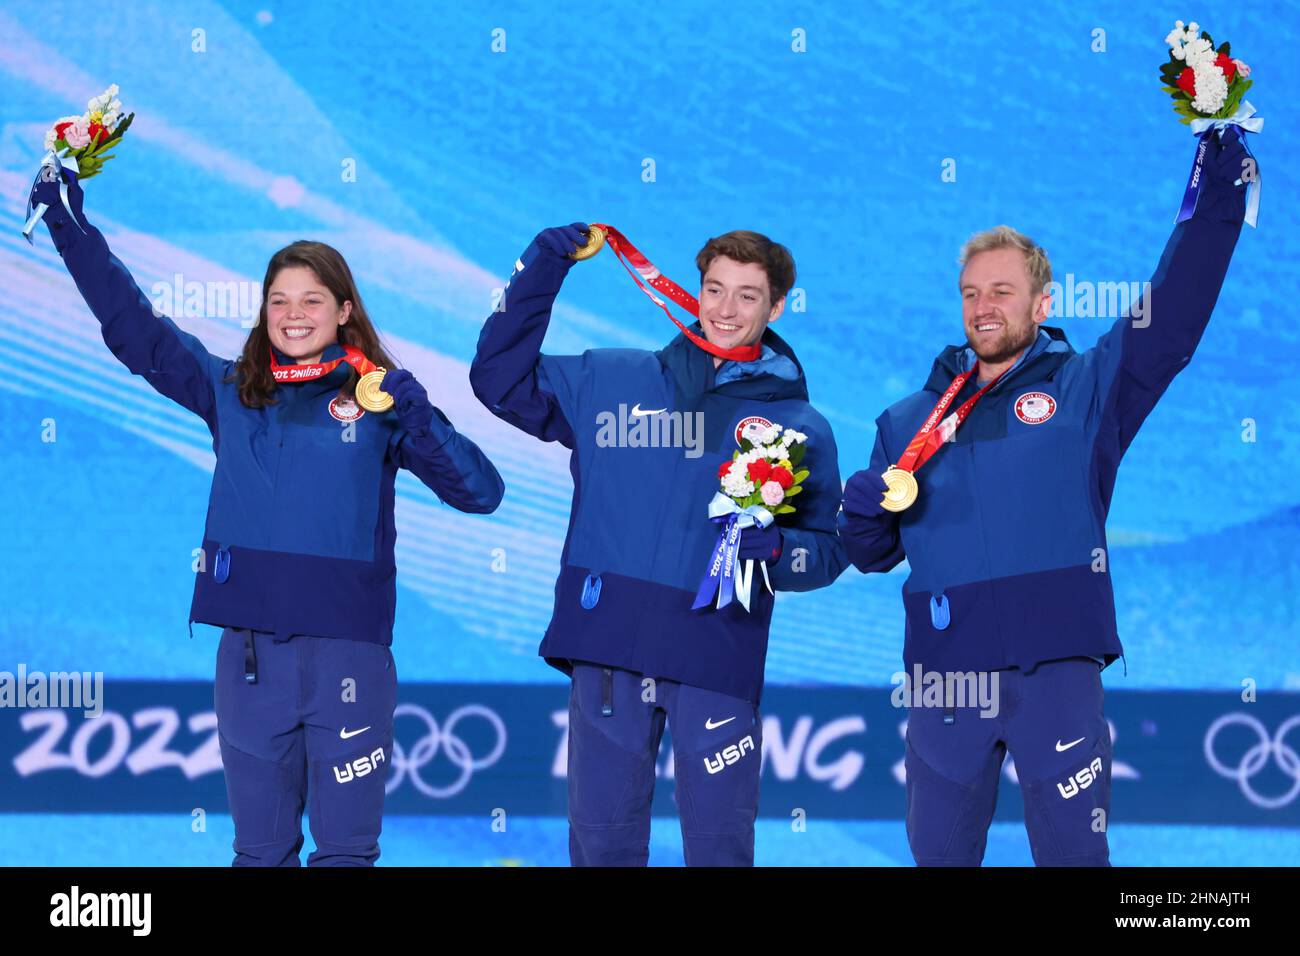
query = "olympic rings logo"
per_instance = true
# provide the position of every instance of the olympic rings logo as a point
(443, 739)
(1254, 759)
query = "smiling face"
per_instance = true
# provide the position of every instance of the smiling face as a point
(736, 303)
(1000, 309)
(302, 315)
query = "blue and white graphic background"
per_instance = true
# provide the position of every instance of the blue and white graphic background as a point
(462, 154)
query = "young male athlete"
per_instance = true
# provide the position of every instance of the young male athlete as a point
(640, 539)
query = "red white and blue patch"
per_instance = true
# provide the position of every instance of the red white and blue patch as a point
(1034, 408)
(346, 409)
(750, 427)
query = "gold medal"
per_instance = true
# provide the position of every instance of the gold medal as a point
(595, 240)
(370, 396)
(901, 489)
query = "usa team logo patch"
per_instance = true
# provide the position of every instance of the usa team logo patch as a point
(1034, 408)
(751, 426)
(345, 409)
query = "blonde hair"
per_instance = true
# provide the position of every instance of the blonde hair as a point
(1037, 265)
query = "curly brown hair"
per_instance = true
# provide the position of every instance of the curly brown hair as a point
(253, 369)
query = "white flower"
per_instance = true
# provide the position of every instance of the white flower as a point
(1211, 89)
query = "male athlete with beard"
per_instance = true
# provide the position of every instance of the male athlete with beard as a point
(1015, 441)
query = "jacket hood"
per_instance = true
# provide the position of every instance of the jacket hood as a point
(951, 362)
(695, 373)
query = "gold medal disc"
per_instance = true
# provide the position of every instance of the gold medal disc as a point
(369, 395)
(595, 240)
(901, 489)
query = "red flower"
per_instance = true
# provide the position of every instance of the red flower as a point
(1187, 82)
(97, 133)
(782, 477)
(1224, 62)
(759, 470)
(723, 469)
(60, 128)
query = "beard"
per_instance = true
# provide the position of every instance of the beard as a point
(1008, 345)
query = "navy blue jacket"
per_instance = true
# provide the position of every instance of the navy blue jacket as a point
(300, 520)
(1007, 540)
(638, 529)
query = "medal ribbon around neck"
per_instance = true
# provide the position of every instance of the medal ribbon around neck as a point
(648, 277)
(900, 479)
(369, 395)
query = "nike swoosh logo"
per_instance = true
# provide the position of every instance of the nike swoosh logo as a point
(1061, 748)
(710, 725)
(638, 410)
(345, 735)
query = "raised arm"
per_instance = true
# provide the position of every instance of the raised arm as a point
(152, 346)
(534, 392)
(1137, 359)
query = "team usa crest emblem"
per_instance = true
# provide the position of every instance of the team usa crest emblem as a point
(1034, 408)
(345, 409)
(750, 427)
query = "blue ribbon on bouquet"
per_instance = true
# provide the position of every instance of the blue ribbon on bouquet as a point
(57, 162)
(724, 578)
(1245, 120)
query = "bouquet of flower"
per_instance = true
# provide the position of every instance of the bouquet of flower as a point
(80, 145)
(765, 470)
(1208, 87)
(89, 137)
(757, 485)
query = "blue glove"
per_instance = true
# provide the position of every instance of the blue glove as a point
(863, 494)
(410, 400)
(760, 544)
(1223, 198)
(47, 192)
(560, 241)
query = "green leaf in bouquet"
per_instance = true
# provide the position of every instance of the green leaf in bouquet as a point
(793, 490)
(123, 126)
(797, 453)
(1173, 69)
(783, 510)
(1206, 37)
(1233, 99)
(746, 445)
(1224, 48)
(801, 476)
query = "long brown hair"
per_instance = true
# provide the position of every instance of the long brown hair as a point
(253, 370)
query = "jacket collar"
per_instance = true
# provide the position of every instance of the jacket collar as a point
(692, 367)
(332, 352)
(1048, 351)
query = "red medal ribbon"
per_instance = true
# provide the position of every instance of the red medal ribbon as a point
(647, 277)
(314, 370)
(928, 439)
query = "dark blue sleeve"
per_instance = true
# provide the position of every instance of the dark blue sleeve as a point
(152, 346)
(536, 393)
(451, 465)
(1137, 359)
(812, 555)
(873, 544)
